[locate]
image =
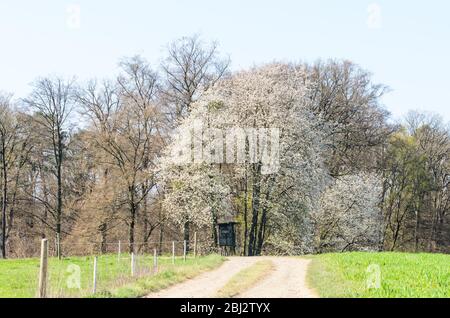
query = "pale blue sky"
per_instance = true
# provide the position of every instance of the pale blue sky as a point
(407, 47)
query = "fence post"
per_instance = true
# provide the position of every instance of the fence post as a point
(195, 244)
(94, 285)
(184, 250)
(173, 252)
(132, 264)
(155, 261)
(118, 253)
(43, 269)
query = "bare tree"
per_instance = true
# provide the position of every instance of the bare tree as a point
(190, 68)
(128, 127)
(52, 101)
(140, 86)
(14, 150)
(345, 96)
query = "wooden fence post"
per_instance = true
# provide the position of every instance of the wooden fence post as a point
(58, 246)
(173, 252)
(43, 269)
(195, 244)
(155, 261)
(184, 250)
(94, 285)
(132, 264)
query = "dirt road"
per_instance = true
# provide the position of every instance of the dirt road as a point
(287, 280)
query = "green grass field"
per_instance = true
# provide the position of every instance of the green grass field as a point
(401, 275)
(19, 277)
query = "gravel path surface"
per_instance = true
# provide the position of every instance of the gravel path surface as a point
(286, 281)
(207, 284)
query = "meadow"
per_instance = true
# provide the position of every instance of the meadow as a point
(380, 275)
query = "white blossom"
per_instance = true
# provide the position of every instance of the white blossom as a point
(349, 214)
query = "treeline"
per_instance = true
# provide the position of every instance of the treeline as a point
(416, 174)
(88, 162)
(78, 159)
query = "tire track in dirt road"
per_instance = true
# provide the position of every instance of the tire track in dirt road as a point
(207, 284)
(288, 280)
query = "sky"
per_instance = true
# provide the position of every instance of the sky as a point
(405, 44)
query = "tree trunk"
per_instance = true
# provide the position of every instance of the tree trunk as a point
(416, 233)
(395, 237)
(186, 235)
(262, 228)
(4, 204)
(432, 239)
(245, 212)
(214, 232)
(161, 239)
(132, 225)
(103, 230)
(59, 190)
(255, 209)
(45, 216)
(143, 212)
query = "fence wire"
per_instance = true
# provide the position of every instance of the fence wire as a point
(112, 264)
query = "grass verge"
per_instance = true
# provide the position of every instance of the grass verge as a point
(245, 279)
(401, 275)
(168, 276)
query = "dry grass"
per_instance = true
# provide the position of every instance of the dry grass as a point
(245, 279)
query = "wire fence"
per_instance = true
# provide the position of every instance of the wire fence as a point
(103, 267)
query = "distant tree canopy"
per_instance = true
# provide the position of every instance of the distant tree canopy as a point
(303, 156)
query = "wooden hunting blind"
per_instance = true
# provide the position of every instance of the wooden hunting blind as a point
(227, 234)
